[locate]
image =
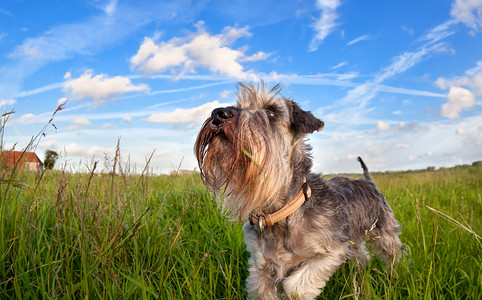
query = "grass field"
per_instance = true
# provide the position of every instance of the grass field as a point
(91, 236)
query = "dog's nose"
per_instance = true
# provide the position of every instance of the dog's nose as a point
(219, 115)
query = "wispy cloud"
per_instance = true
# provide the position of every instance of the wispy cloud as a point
(364, 37)
(114, 22)
(344, 80)
(49, 87)
(415, 141)
(438, 33)
(94, 33)
(356, 102)
(6, 12)
(468, 12)
(64, 41)
(407, 60)
(408, 30)
(191, 88)
(342, 64)
(326, 23)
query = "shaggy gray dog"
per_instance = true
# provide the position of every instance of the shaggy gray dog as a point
(299, 227)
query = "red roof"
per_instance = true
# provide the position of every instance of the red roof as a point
(12, 158)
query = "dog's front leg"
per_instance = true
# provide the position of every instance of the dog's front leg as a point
(260, 285)
(307, 281)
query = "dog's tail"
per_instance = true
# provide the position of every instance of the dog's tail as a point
(365, 169)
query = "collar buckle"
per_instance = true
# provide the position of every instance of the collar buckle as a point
(260, 224)
(303, 195)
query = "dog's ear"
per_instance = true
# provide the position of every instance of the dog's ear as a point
(304, 121)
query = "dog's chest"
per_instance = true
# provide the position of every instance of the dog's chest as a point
(279, 251)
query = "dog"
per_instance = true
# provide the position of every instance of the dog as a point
(299, 228)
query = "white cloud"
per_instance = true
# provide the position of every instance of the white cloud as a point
(472, 80)
(225, 94)
(127, 119)
(326, 23)
(351, 156)
(5, 102)
(432, 143)
(458, 98)
(373, 149)
(181, 115)
(99, 87)
(412, 126)
(27, 117)
(110, 7)
(108, 125)
(468, 12)
(461, 131)
(47, 144)
(198, 50)
(383, 126)
(462, 91)
(74, 149)
(62, 101)
(364, 37)
(402, 146)
(80, 121)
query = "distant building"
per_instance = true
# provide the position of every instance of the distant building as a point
(27, 160)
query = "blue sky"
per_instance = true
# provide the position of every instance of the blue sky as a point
(397, 82)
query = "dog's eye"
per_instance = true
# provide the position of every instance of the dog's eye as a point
(271, 111)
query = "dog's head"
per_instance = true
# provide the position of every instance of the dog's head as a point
(248, 153)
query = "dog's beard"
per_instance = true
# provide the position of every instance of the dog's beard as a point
(236, 164)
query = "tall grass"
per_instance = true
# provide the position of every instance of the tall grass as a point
(72, 235)
(86, 235)
(120, 235)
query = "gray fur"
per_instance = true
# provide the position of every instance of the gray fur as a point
(296, 256)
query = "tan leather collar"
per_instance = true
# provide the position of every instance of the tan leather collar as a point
(290, 207)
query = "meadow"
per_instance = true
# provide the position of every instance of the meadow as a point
(114, 235)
